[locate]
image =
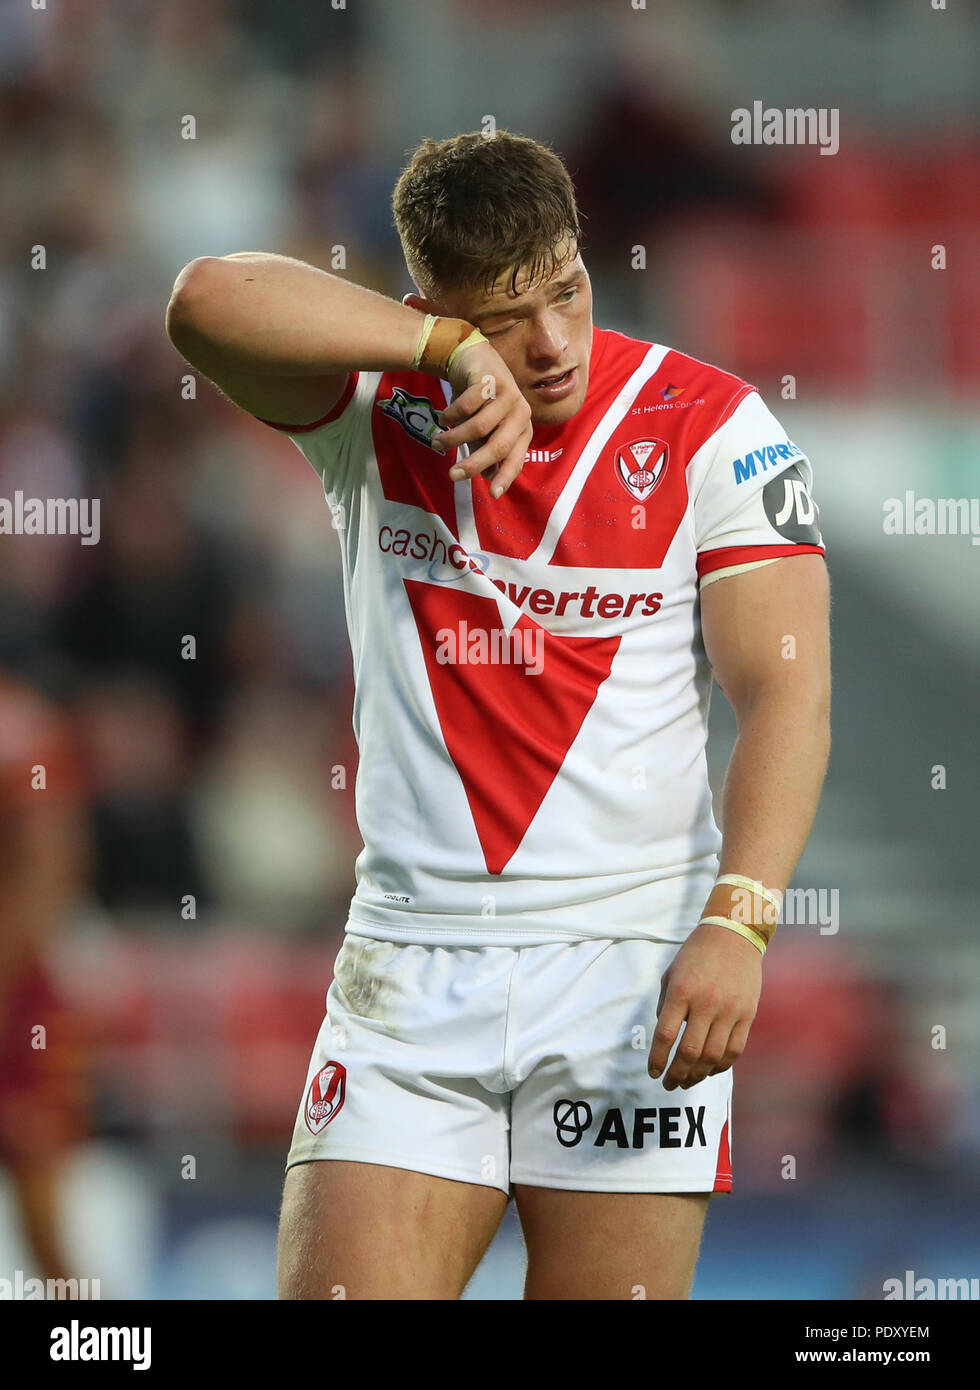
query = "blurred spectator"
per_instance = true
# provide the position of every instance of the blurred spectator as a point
(139, 769)
(276, 845)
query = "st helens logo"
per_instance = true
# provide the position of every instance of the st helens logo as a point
(325, 1096)
(640, 465)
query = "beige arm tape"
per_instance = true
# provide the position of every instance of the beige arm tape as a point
(442, 339)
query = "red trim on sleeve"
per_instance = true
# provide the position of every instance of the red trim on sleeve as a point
(725, 555)
(327, 419)
(745, 389)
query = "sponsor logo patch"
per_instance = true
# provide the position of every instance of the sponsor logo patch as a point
(640, 466)
(325, 1096)
(665, 1126)
(572, 1119)
(791, 509)
(761, 460)
(417, 415)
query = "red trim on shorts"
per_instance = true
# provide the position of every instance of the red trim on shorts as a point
(725, 555)
(327, 419)
(723, 1169)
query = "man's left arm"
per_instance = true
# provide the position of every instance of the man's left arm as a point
(766, 635)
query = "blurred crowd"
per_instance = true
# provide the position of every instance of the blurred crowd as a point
(199, 648)
(195, 660)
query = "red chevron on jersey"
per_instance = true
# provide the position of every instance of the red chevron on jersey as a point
(532, 680)
(610, 526)
(507, 730)
(514, 524)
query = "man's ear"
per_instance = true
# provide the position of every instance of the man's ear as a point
(415, 301)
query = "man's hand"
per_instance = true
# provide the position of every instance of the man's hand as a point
(713, 983)
(489, 414)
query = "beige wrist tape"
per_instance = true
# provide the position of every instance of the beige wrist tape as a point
(439, 341)
(750, 933)
(747, 901)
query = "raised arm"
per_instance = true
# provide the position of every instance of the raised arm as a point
(280, 339)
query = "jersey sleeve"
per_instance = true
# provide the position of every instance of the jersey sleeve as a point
(336, 445)
(752, 500)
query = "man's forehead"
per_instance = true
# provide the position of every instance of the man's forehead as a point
(502, 296)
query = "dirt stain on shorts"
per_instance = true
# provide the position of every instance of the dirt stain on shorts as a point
(363, 974)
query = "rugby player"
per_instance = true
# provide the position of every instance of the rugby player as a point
(554, 956)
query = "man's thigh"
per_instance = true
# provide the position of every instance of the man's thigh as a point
(610, 1245)
(612, 1173)
(397, 1174)
(366, 1231)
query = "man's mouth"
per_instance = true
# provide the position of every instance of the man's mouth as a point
(557, 385)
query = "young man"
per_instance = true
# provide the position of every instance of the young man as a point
(552, 535)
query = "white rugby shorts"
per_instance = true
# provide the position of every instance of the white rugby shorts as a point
(500, 1065)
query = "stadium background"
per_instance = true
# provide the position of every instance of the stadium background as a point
(216, 777)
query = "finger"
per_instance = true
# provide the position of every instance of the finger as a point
(471, 401)
(712, 1053)
(462, 406)
(735, 1046)
(669, 1021)
(510, 467)
(495, 449)
(512, 463)
(477, 426)
(688, 1049)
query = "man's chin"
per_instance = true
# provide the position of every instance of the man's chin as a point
(557, 412)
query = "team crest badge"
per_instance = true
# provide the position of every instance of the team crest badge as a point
(416, 414)
(325, 1096)
(640, 465)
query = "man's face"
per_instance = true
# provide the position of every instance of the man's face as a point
(542, 332)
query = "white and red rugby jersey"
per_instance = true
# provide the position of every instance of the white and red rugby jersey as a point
(531, 684)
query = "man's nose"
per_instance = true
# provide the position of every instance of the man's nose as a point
(548, 339)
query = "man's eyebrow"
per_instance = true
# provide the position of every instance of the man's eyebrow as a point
(558, 287)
